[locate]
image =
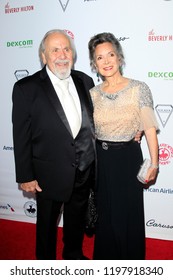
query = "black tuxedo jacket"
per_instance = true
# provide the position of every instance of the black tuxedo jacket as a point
(44, 148)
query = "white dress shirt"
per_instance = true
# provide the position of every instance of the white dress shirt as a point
(72, 89)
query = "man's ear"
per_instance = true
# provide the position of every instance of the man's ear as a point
(43, 58)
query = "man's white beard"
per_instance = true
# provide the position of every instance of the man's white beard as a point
(64, 74)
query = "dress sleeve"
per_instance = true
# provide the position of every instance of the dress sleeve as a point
(148, 118)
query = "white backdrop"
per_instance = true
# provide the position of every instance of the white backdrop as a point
(145, 30)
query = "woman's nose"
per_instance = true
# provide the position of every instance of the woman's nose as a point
(106, 60)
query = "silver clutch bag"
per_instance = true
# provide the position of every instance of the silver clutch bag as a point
(143, 170)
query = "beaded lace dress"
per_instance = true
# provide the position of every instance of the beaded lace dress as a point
(118, 116)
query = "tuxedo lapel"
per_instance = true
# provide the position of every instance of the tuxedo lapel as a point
(53, 98)
(81, 92)
(84, 100)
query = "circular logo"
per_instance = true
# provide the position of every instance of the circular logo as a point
(30, 209)
(165, 153)
(69, 33)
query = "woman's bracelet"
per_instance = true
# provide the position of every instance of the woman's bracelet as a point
(156, 166)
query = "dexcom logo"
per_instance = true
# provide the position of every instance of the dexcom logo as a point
(165, 75)
(21, 44)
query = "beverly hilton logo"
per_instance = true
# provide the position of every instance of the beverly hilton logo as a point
(165, 153)
(164, 112)
(9, 10)
(63, 4)
(153, 37)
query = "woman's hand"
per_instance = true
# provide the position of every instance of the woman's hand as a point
(138, 136)
(151, 174)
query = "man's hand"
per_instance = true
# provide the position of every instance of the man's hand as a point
(30, 186)
(138, 136)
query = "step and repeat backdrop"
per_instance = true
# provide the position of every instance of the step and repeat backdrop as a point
(144, 28)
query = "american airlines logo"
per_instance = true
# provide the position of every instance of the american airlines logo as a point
(6, 207)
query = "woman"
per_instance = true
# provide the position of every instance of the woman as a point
(122, 106)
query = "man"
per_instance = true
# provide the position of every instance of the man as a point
(54, 159)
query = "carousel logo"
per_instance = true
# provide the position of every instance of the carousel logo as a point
(152, 37)
(165, 153)
(7, 207)
(153, 223)
(9, 10)
(63, 4)
(20, 74)
(30, 209)
(164, 112)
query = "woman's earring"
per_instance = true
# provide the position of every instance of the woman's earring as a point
(98, 77)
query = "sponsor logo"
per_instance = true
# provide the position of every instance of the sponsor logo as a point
(164, 112)
(7, 207)
(152, 37)
(163, 75)
(153, 223)
(9, 10)
(69, 33)
(165, 153)
(20, 44)
(123, 38)
(63, 4)
(20, 74)
(157, 190)
(7, 148)
(30, 209)
(11, 208)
